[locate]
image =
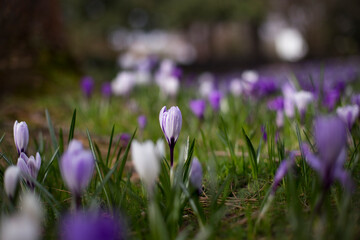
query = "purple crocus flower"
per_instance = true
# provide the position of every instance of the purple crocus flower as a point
(77, 167)
(348, 114)
(106, 90)
(263, 87)
(331, 98)
(176, 72)
(91, 226)
(198, 107)
(87, 86)
(142, 120)
(29, 166)
(196, 174)
(282, 170)
(329, 163)
(276, 104)
(21, 136)
(214, 99)
(170, 123)
(124, 139)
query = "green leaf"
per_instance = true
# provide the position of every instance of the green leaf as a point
(72, 126)
(51, 130)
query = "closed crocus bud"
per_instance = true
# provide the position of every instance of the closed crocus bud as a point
(11, 180)
(198, 107)
(196, 174)
(77, 167)
(146, 160)
(21, 136)
(170, 123)
(348, 114)
(29, 166)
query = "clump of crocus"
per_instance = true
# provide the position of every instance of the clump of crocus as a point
(92, 226)
(170, 123)
(142, 121)
(11, 181)
(215, 99)
(77, 167)
(330, 139)
(29, 167)
(146, 160)
(196, 174)
(87, 86)
(21, 136)
(348, 114)
(198, 107)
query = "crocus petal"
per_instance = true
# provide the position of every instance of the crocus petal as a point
(23, 166)
(344, 178)
(311, 159)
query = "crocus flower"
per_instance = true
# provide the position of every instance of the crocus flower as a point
(170, 123)
(198, 107)
(123, 83)
(215, 99)
(196, 174)
(348, 114)
(106, 90)
(124, 139)
(276, 104)
(301, 100)
(206, 84)
(236, 87)
(169, 85)
(87, 86)
(288, 90)
(11, 181)
(77, 167)
(329, 162)
(146, 160)
(282, 170)
(29, 166)
(21, 136)
(91, 226)
(142, 120)
(331, 98)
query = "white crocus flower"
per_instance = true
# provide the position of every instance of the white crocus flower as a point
(348, 114)
(145, 157)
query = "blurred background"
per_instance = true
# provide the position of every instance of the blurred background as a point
(51, 43)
